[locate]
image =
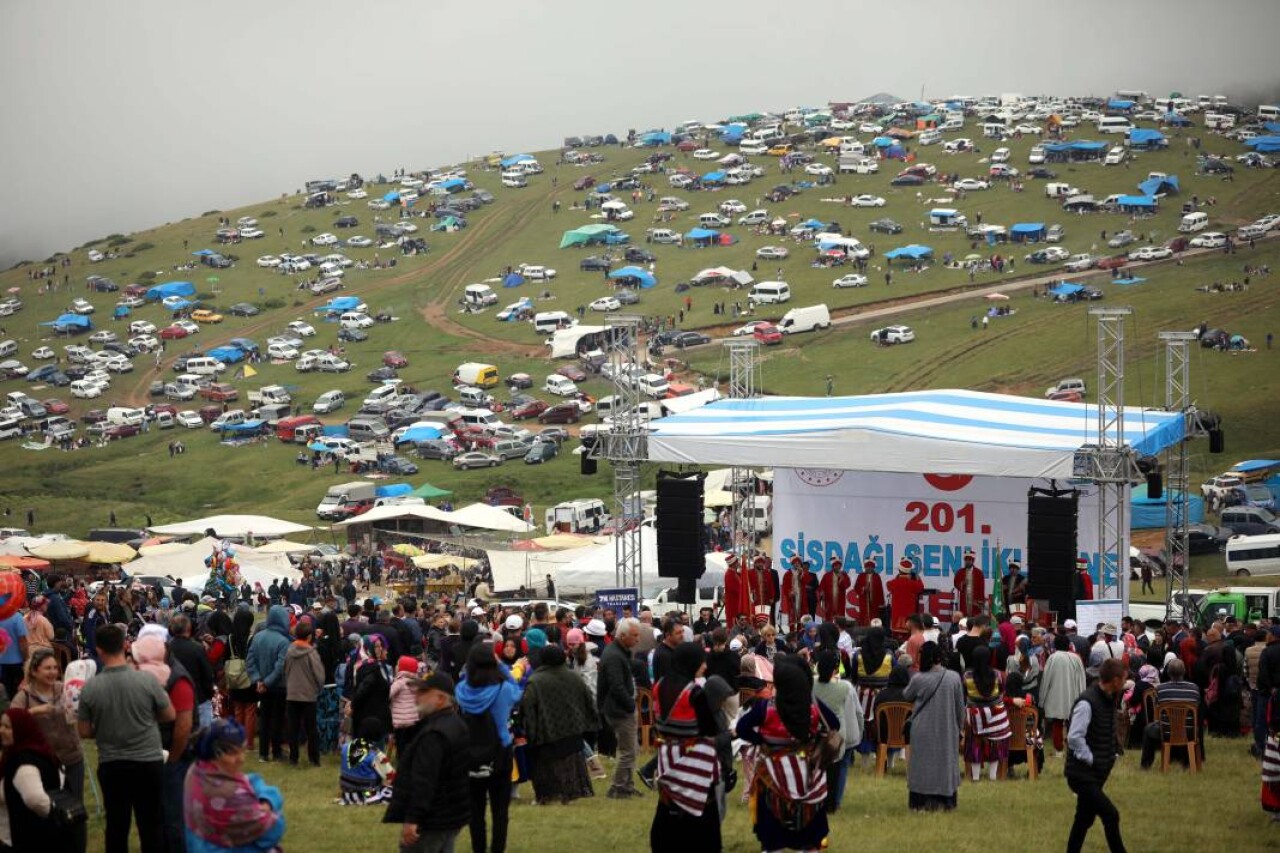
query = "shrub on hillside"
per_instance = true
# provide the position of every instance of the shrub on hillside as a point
(272, 304)
(308, 229)
(142, 247)
(114, 240)
(147, 276)
(211, 213)
(264, 214)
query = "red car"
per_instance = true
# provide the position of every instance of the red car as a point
(55, 406)
(502, 496)
(767, 333)
(584, 183)
(394, 359)
(209, 414)
(528, 409)
(573, 372)
(561, 413)
(164, 407)
(1112, 263)
(121, 431)
(220, 392)
(94, 416)
(171, 333)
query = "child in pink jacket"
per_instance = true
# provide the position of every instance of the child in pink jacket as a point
(404, 703)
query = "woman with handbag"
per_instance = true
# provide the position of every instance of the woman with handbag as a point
(839, 696)
(41, 694)
(796, 736)
(933, 774)
(38, 814)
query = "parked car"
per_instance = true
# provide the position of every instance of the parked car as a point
(476, 459)
(243, 309)
(541, 451)
(690, 339)
(561, 413)
(885, 226)
(893, 335)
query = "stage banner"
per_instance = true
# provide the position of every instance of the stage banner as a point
(930, 519)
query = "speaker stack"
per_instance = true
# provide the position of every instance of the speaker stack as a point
(681, 550)
(1052, 527)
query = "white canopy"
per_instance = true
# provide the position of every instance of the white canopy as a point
(514, 569)
(564, 342)
(248, 574)
(488, 517)
(284, 546)
(261, 526)
(480, 516)
(189, 562)
(395, 512)
(689, 402)
(941, 432)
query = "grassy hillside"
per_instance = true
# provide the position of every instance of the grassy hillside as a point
(1019, 354)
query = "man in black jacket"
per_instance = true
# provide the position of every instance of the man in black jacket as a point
(1091, 753)
(616, 699)
(431, 796)
(191, 654)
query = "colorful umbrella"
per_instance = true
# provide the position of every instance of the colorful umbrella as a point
(65, 550)
(404, 549)
(109, 552)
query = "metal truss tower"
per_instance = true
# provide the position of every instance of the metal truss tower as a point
(625, 445)
(744, 377)
(1177, 466)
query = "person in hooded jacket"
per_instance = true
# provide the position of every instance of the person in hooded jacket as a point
(404, 701)
(265, 665)
(488, 688)
(372, 695)
(460, 649)
(328, 707)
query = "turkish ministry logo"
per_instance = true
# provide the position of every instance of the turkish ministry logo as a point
(948, 482)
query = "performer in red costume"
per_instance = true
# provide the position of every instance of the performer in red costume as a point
(762, 586)
(737, 587)
(970, 584)
(868, 591)
(833, 586)
(904, 597)
(799, 591)
(1082, 584)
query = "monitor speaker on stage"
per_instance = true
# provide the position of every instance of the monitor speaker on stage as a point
(681, 552)
(1052, 528)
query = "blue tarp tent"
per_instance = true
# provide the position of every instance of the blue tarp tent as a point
(1066, 289)
(655, 137)
(227, 355)
(1271, 126)
(1142, 137)
(713, 178)
(70, 322)
(513, 279)
(1136, 202)
(420, 433)
(340, 304)
(1176, 120)
(1133, 279)
(392, 197)
(1147, 513)
(882, 142)
(1264, 144)
(250, 426)
(392, 490)
(182, 304)
(1119, 104)
(508, 162)
(814, 223)
(170, 288)
(1027, 232)
(122, 311)
(645, 278)
(895, 152)
(453, 184)
(913, 252)
(702, 234)
(204, 253)
(1248, 466)
(1157, 186)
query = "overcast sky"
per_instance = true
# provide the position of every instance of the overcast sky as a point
(122, 116)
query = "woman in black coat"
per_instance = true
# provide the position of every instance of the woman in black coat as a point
(372, 696)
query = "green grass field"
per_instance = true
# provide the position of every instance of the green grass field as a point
(1020, 354)
(874, 815)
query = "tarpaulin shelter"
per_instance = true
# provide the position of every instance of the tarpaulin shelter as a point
(704, 236)
(1176, 120)
(182, 304)
(587, 234)
(249, 427)
(1120, 104)
(392, 197)
(512, 279)
(655, 137)
(227, 355)
(204, 253)
(1143, 137)
(1263, 143)
(121, 311)
(70, 323)
(913, 252)
(1136, 202)
(714, 178)
(883, 142)
(1130, 280)
(340, 305)
(453, 185)
(950, 431)
(1065, 289)
(1158, 186)
(420, 432)
(235, 526)
(170, 288)
(429, 492)
(1027, 232)
(392, 490)
(1146, 513)
(639, 275)
(516, 159)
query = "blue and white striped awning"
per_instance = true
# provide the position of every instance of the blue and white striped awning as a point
(944, 432)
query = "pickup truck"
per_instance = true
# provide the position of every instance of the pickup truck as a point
(220, 392)
(269, 394)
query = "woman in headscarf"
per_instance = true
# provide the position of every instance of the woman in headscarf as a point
(872, 666)
(372, 694)
(894, 691)
(39, 628)
(933, 774)
(753, 687)
(225, 809)
(41, 694)
(328, 706)
(789, 788)
(840, 697)
(558, 712)
(242, 693)
(1135, 702)
(688, 769)
(1017, 696)
(987, 733)
(1026, 663)
(30, 769)
(1061, 682)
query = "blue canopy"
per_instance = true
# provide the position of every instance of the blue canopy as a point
(914, 252)
(646, 278)
(656, 137)
(1028, 230)
(453, 184)
(70, 321)
(733, 132)
(813, 223)
(392, 490)
(204, 253)
(513, 279)
(1258, 143)
(254, 425)
(882, 142)
(713, 178)
(1079, 145)
(1146, 137)
(421, 433)
(1066, 289)
(1136, 201)
(1176, 120)
(170, 288)
(182, 304)
(702, 234)
(392, 197)
(1146, 513)
(1250, 465)
(227, 355)
(517, 158)
(122, 311)
(340, 304)
(1155, 186)
(1133, 279)
(1119, 104)
(1271, 126)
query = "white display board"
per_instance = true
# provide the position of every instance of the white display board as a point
(821, 514)
(1091, 614)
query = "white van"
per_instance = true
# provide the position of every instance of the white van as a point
(952, 124)
(329, 401)
(10, 428)
(1192, 222)
(329, 269)
(714, 220)
(1219, 121)
(858, 165)
(1253, 555)
(547, 322)
(805, 319)
(1114, 124)
(126, 415)
(753, 146)
(205, 366)
(654, 385)
(355, 320)
(8, 348)
(769, 293)
(479, 295)
(930, 137)
(1269, 112)
(479, 417)
(756, 518)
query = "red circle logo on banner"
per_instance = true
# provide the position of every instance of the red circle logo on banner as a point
(948, 482)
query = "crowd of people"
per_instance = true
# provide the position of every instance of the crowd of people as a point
(439, 709)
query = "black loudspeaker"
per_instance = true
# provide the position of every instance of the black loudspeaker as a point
(1217, 441)
(686, 591)
(1155, 485)
(587, 462)
(1052, 525)
(681, 552)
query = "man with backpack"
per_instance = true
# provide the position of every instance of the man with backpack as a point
(486, 695)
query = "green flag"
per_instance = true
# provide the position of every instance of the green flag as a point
(998, 605)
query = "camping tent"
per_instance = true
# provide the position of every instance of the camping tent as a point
(515, 159)
(586, 235)
(1158, 186)
(339, 305)
(189, 562)
(227, 354)
(912, 252)
(1065, 289)
(1136, 202)
(485, 517)
(1142, 137)
(420, 432)
(956, 431)
(641, 276)
(1146, 513)
(1027, 232)
(70, 322)
(429, 492)
(170, 288)
(564, 342)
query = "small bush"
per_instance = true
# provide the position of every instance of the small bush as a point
(118, 240)
(212, 213)
(142, 247)
(149, 275)
(92, 243)
(296, 207)
(272, 304)
(266, 213)
(204, 296)
(308, 229)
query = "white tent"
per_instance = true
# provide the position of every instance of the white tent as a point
(514, 569)
(564, 342)
(480, 516)
(487, 517)
(689, 402)
(942, 432)
(397, 512)
(189, 562)
(596, 568)
(238, 526)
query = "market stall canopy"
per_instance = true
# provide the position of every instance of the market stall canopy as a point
(69, 549)
(394, 512)
(913, 252)
(190, 561)
(284, 546)
(162, 549)
(236, 526)
(564, 342)
(514, 569)
(17, 561)
(427, 492)
(1158, 185)
(1248, 466)
(109, 552)
(945, 432)
(439, 561)
(487, 517)
(170, 288)
(248, 574)
(641, 275)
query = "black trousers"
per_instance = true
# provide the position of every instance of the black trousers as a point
(497, 791)
(131, 790)
(302, 723)
(1092, 804)
(271, 724)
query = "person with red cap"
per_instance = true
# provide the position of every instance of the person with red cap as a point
(799, 592)
(868, 592)
(737, 587)
(970, 585)
(904, 597)
(762, 587)
(833, 587)
(1081, 582)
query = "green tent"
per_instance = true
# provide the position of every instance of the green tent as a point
(585, 235)
(427, 492)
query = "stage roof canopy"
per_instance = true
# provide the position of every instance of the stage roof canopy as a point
(944, 432)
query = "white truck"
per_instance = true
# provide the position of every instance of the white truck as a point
(586, 515)
(345, 500)
(270, 394)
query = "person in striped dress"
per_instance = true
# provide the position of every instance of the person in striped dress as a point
(987, 730)
(1271, 776)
